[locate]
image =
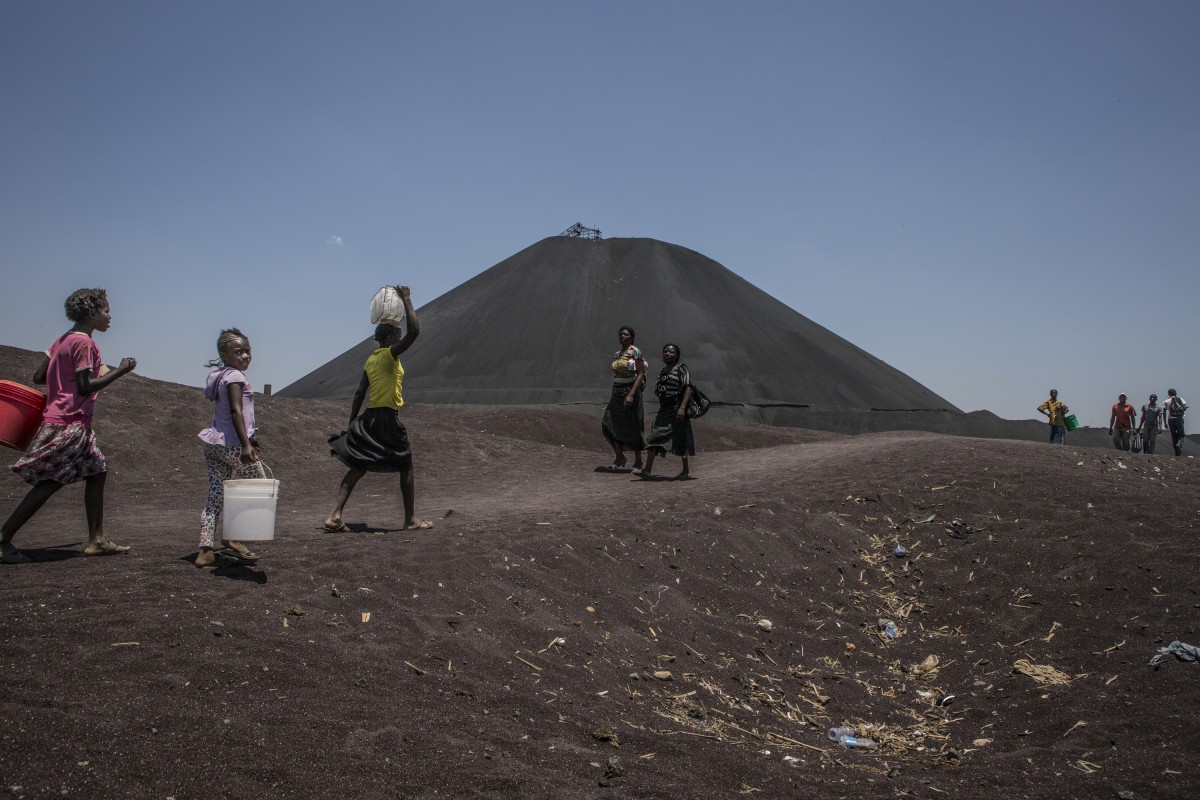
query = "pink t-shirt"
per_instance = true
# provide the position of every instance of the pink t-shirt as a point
(72, 352)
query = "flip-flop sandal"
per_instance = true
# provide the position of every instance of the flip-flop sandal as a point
(341, 527)
(224, 561)
(422, 525)
(109, 549)
(234, 555)
(15, 557)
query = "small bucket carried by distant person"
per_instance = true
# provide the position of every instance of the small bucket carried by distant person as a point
(1071, 422)
(20, 414)
(249, 513)
(387, 307)
(1135, 442)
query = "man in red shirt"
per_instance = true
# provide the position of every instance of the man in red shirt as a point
(1121, 423)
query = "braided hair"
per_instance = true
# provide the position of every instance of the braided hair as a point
(84, 302)
(227, 338)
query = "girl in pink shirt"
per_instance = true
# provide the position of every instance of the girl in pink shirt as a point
(64, 450)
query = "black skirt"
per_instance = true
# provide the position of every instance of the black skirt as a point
(623, 425)
(377, 441)
(669, 435)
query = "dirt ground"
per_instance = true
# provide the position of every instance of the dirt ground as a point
(565, 632)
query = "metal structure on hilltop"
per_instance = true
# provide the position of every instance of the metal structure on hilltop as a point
(578, 231)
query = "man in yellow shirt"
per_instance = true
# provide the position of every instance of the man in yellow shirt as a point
(1057, 412)
(377, 441)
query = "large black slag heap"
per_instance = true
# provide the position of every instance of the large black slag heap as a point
(540, 328)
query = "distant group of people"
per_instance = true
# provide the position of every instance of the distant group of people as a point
(1124, 424)
(64, 449)
(623, 425)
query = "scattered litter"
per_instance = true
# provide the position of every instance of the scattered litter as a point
(664, 675)
(366, 616)
(1079, 724)
(607, 735)
(1184, 652)
(887, 627)
(958, 529)
(901, 551)
(1044, 674)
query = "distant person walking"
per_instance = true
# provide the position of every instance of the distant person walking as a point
(1151, 424)
(624, 418)
(377, 441)
(1176, 408)
(1121, 422)
(1057, 411)
(64, 449)
(672, 428)
(230, 449)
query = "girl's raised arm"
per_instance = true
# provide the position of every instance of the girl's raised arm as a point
(413, 328)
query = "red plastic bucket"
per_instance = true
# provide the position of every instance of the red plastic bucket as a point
(20, 414)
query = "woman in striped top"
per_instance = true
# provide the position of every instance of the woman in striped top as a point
(672, 429)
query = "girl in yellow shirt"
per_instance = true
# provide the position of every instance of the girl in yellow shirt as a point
(377, 440)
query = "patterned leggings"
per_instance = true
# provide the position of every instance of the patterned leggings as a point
(224, 463)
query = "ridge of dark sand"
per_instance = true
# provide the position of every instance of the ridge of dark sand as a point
(141, 676)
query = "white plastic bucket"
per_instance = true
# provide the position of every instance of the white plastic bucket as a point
(249, 513)
(386, 306)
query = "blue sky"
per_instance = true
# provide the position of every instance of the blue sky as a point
(995, 198)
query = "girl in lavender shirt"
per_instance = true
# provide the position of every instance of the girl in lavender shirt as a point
(230, 449)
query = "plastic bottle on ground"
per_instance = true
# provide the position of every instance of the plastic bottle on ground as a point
(835, 734)
(858, 743)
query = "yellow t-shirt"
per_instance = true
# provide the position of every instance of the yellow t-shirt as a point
(385, 379)
(1057, 409)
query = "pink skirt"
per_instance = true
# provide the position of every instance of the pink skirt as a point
(61, 453)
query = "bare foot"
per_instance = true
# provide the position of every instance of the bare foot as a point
(683, 476)
(620, 461)
(643, 474)
(418, 525)
(105, 548)
(334, 525)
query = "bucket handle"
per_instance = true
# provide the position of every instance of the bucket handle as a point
(271, 475)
